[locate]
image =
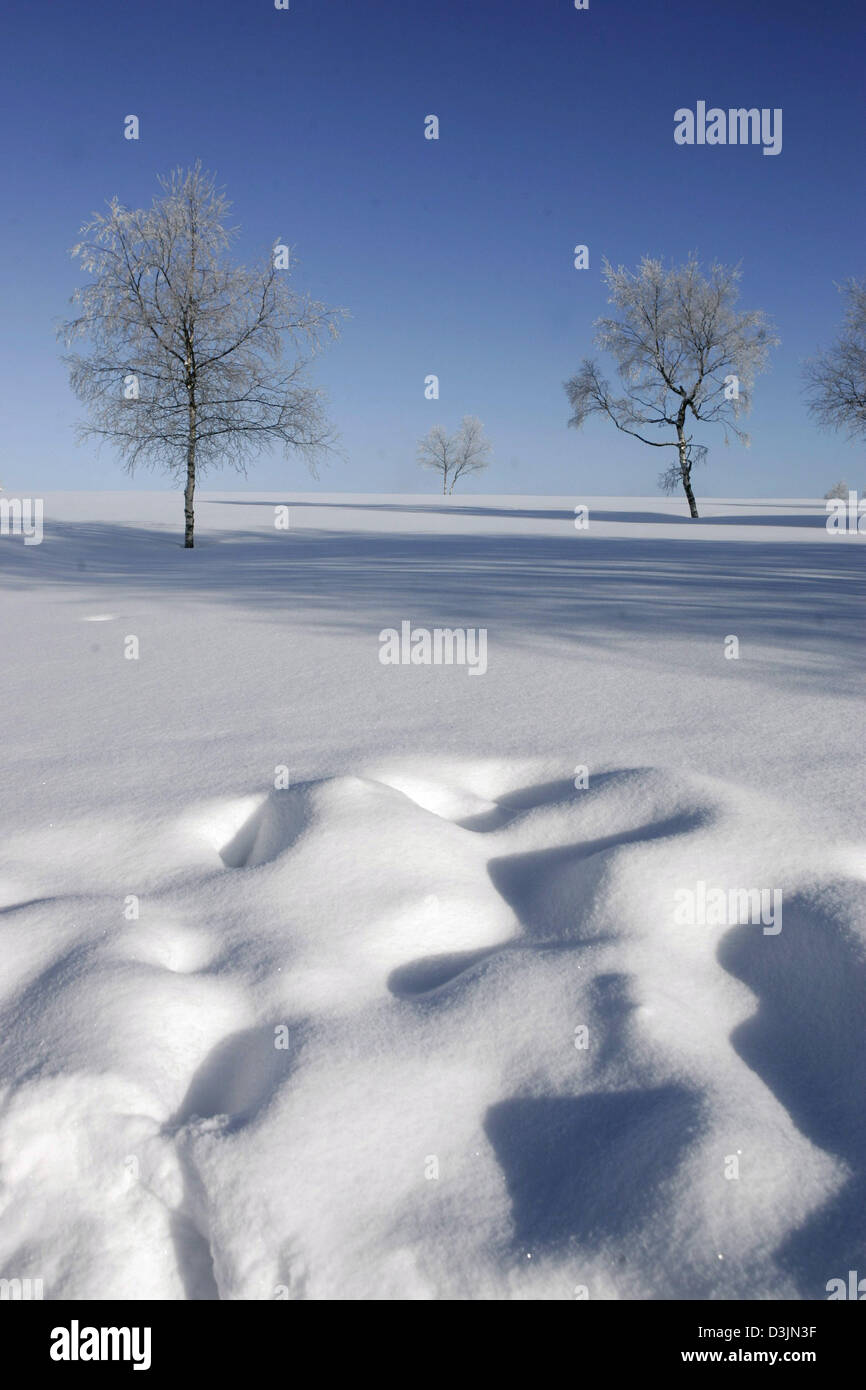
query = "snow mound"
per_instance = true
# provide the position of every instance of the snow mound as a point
(437, 1030)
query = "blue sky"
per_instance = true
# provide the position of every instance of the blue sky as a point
(453, 257)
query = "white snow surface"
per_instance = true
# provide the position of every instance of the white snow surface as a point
(339, 1052)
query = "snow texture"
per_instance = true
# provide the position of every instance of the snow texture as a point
(424, 1024)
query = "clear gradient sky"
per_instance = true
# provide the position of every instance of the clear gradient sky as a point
(453, 257)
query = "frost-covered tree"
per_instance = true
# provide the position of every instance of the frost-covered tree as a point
(683, 353)
(472, 449)
(194, 361)
(455, 456)
(436, 451)
(836, 379)
(836, 491)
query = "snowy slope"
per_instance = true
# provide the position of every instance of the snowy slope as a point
(426, 1023)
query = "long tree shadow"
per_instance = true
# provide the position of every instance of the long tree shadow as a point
(581, 590)
(807, 1042)
(809, 514)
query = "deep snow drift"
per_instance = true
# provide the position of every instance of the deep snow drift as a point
(431, 1021)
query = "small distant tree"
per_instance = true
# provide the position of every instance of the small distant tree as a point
(836, 379)
(837, 490)
(455, 456)
(188, 366)
(472, 449)
(681, 350)
(436, 451)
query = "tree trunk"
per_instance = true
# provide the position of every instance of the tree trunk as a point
(690, 496)
(189, 492)
(686, 475)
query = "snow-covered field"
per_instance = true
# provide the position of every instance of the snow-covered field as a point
(432, 1021)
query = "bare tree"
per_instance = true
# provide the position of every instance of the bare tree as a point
(455, 456)
(472, 449)
(436, 450)
(187, 367)
(836, 379)
(680, 348)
